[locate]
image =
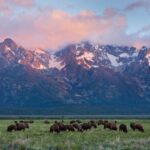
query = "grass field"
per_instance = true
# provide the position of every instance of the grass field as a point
(38, 137)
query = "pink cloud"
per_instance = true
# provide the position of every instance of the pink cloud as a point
(55, 28)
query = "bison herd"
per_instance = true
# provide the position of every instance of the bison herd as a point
(77, 126)
(18, 126)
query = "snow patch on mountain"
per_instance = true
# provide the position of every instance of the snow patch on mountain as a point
(148, 57)
(85, 58)
(39, 51)
(114, 60)
(39, 66)
(55, 63)
(124, 55)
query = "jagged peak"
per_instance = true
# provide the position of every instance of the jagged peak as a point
(10, 43)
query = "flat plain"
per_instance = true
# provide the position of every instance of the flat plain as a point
(38, 137)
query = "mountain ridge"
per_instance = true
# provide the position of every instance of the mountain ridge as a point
(78, 75)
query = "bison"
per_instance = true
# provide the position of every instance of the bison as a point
(11, 128)
(55, 128)
(77, 127)
(62, 127)
(72, 121)
(21, 126)
(86, 126)
(123, 128)
(110, 126)
(135, 126)
(70, 128)
(139, 127)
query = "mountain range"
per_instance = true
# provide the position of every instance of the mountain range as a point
(81, 78)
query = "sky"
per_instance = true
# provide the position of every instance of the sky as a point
(51, 24)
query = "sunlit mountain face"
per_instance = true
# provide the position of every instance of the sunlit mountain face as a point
(85, 75)
(74, 57)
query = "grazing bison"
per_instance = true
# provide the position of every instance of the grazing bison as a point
(62, 127)
(11, 128)
(138, 127)
(77, 127)
(123, 128)
(93, 124)
(55, 128)
(132, 125)
(72, 121)
(21, 126)
(100, 122)
(86, 126)
(107, 125)
(110, 126)
(26, 125)
(113, 127)
(70, 128)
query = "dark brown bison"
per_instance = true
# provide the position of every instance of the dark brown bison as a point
(107, 125)
(113, 127)
(132, 125)
(100, 122)
(110, 126)
(77, 127)
(72, 121)
(70, 128)
(123, 128)
(138, 127)
(62, 127)
(86, 126)
(21, 126)
(26, 125)
(11, 128)
(55, 128)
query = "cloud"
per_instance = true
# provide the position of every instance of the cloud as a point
(51, 29)
(54, 28)
(138, 4)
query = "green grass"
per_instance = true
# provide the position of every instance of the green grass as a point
(38, 137)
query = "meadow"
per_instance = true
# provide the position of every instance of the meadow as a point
(38, 137)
